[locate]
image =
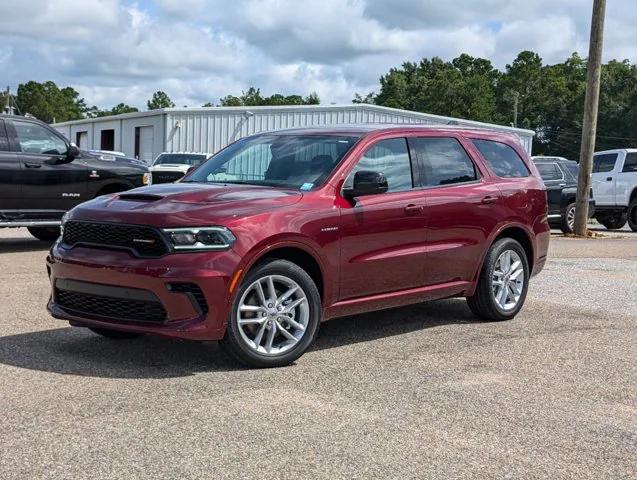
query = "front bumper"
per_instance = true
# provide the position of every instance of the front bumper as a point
(114, 271)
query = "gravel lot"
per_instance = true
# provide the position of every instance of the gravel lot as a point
(418, 392)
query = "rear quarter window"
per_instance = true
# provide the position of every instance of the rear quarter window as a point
(630, 164)
(604, 162)
(549, 171)
(502, 159)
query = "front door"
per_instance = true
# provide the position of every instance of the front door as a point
(383, 235)
(554, 182)
(10, 179)
(604, 178)
(49, 181)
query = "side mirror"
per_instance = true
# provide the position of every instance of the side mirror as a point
(72, 153)
(366, 183)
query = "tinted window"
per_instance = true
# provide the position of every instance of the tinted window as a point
(4, 142)
(34, 138)
(180, 159)
(549, 171)
(290, 161)
(389, 157)
(443, 161)
(604, 162)
(630, 164)
(572, 168)
(503, 160)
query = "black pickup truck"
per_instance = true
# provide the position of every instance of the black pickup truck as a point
(42, 176)
(560, 178)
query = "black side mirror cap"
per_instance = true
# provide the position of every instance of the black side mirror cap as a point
(366, 182)
(72, 153)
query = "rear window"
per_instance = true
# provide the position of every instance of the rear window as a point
(503, 160)
(549, 171)
(443, 161)
(604, 162)
(630, 165)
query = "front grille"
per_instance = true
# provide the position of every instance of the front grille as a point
(142, 241)
(110, 307)
(166, 177)
(193, 291)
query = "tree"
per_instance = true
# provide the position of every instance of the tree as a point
(159, 100)
(369, 98)
(94, 111)
(252, 97)
(49, 103)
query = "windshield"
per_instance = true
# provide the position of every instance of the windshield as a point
(290, 161)
(180, 158)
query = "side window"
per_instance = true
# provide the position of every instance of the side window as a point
(549, 171)
(4, 142)
(630, 164)
(35, 138)
(390, 157)
(604, 162)
(443, 161)
(503, 160)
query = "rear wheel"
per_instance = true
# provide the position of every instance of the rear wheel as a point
(503, 282)
(632, 215)
(613, 221)
(568, 219)
(275, 316)
(46, 234)
(115, 334)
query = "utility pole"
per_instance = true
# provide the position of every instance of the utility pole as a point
(594, 69)
(516, 99)
(7, 108)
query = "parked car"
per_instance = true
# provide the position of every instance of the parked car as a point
(170, 167)
(560, 177)
(615, 187)
(42, 176)
(314, 224)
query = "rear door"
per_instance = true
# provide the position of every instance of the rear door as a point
(460, 203)
(49, 181)
(10, 178)
(604, 178)
(554, 181)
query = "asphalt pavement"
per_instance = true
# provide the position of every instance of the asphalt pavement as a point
(417, 392)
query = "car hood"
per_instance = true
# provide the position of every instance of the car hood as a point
(184, 204)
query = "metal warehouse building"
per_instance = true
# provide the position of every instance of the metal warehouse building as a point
(144, 135)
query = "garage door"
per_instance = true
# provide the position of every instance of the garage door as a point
(146, 138)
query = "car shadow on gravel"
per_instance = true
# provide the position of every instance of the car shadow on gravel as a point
(77, 351)
(23, 244)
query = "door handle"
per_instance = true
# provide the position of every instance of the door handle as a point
(489, 199)
(32, 165)
(609, 179)
(413, 209)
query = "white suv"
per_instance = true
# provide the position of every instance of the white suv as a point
(615, 188)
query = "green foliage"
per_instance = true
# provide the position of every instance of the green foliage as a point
(94, 111)
(550, 97)
(48, 102)
(159, 100)
(253, 97)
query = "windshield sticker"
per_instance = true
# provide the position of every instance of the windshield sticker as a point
(307, 186)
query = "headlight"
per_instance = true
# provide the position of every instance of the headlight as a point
(147, 178)
(65, 218)
(199, 238)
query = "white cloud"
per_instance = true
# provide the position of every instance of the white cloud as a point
(201, 50)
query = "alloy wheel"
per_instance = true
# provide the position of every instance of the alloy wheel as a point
(273, 315)
(570, 218)
(508, 280)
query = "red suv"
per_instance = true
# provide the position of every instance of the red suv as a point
(280, 231)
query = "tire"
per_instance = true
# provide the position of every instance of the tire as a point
(567, 221)
(632, 215)
(115, 334)
(614, 221)
(483, 303)
(46, 234)
(263, 339)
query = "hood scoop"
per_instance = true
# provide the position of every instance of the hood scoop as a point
(140, 197)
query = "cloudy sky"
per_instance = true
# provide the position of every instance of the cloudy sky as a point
(200, 50)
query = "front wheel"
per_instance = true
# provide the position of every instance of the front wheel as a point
(503, 282)
(46, 234)
(567, 223)
(275, 316)
(613, 221)
(632, 215)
